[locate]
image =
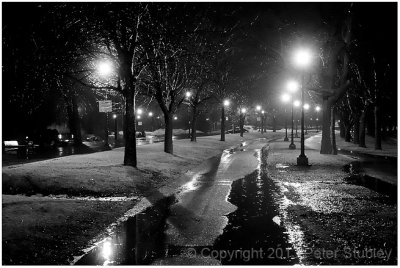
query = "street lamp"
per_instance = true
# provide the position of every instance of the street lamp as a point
(258, 109)
(317, 109)
(262, 121)
(296, 103)
(306, 107)
(241, 118)
(302, 60)
(285, 99)
(152, 121)
(115, 130)
(292, 87)
(104, 69)
(225, 103)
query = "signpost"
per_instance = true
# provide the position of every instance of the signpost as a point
(106, 107)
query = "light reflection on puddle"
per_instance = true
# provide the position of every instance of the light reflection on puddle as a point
(282, 166)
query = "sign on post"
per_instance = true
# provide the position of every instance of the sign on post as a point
(105, 106)
(139, 123)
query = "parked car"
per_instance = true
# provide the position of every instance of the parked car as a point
(237, 130)
(64, 139)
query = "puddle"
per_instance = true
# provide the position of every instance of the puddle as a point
(139, 240)
(359, 170)
(377, 185)
(255, 227)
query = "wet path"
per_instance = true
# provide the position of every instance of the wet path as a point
(255, 227)
(221, 215)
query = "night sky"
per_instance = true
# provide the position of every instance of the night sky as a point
(265, 33)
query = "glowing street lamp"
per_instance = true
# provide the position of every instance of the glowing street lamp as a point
(225, 103)
(188, 94)
(317, 109)
(104, 69)
(302, 60)
(139, 111)
(115, 130)
(258, 109)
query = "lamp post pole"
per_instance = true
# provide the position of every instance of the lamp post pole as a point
(286, 137)
(302, 160)
(262, 122)
(115, 130)
(292, 145)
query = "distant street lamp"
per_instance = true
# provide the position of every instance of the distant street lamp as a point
(258, 109)
(296, 103)
(317, 109)
(302, 60)
(286, 98)
(115, 130)
(306, 107)
(225, 103)
(262, 121)
(152, 121)
(292, 87)
(241, 119)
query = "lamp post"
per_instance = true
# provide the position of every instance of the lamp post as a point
(292, 87)
(258, 109)
(152, 121)
(306, 107)
(104, 69)
(296, 103)
(285, 98)
(302, 59)
(225, 103)
(241, 118)
(317, 109)
(115, 130)
(262, 121)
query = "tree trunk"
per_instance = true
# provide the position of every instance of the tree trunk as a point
(194, 122)
(347, 133)
(76, 122)
(333, 134)
(357, 130)
(168, 145)
(342, 128)
(326, 146)
(241, 122)
(362, 129)
(130, 157)
(378, 136)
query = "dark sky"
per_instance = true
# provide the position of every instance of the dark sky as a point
(267, 32)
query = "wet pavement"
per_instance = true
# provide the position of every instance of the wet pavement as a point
(221, 215)
(237, 210)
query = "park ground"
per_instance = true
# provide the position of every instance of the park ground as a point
(53, 209)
